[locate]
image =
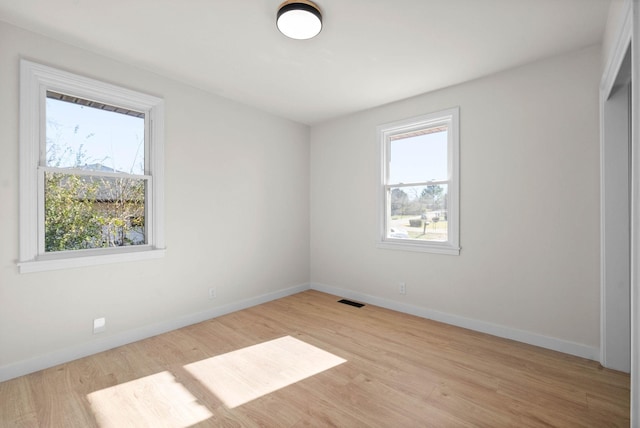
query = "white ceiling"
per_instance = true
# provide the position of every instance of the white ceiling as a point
(370, 52)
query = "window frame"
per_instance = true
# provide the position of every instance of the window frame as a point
(35, 80)
(386, 133)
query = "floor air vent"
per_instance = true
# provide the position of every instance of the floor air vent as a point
(351, 303)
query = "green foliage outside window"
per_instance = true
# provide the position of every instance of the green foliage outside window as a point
(70, 222)
(83, 212)
(90, 211)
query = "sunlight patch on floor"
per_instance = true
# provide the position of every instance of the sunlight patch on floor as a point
(153, 401)
(249, 373)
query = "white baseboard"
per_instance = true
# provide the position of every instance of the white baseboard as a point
(61, 356)
(567, 347)
(65, 355)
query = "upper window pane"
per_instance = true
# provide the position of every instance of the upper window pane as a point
(419, 158)
(93, 136)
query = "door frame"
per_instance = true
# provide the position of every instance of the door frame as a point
(628, 37)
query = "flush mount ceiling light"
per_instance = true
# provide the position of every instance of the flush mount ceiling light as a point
(299, 19)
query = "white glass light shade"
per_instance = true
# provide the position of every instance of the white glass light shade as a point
(299, 20)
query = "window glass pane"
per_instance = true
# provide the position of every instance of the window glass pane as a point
(84, 212)
(418, 212)
(419, 158)
(93, 136)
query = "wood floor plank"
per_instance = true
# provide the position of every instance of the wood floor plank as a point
(16, 404)
(392, 369)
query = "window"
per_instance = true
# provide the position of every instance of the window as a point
(419, 183)
(91, 163)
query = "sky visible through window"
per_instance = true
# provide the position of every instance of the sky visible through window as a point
(109, 139)
(419, 159)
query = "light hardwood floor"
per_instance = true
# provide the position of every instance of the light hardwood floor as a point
(320, 363)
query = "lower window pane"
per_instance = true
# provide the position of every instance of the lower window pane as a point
(83, 212)
(418, 213)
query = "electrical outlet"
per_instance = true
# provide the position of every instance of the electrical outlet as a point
(99, 325)
(402, 288)
(212, 293)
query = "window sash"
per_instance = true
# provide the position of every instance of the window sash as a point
(86, 172)
(389, 213)
(148, 194)
(415, 130)
(417, 184)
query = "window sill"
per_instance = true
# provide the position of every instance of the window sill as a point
(77, 261)
(435, 248)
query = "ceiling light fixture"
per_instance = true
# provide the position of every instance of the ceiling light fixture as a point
(299, 19)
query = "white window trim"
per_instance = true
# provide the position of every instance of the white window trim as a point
(385, 133)
(35, 80)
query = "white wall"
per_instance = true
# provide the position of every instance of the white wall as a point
(237, 218)
(239, 215)
(529, 207)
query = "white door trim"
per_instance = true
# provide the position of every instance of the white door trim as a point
(635, 217)
(628, 32)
